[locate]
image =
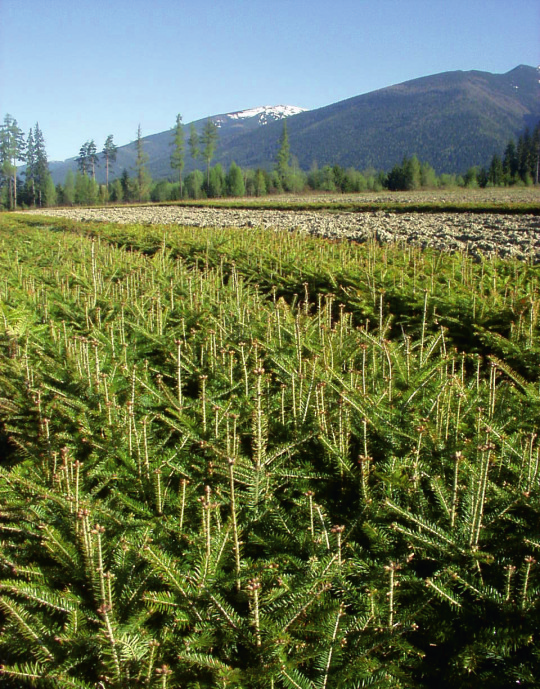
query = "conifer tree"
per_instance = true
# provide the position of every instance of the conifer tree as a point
(50, 195)
(125, 185)
(93, 159)
(496, 171)
(42, 175)
(109, 152)
(523, 155)
(69, 188)
(194, 184)
(177, 156)
(143, 178)
(86, 190)
(330, 505)
(82, 159)
(88, 158)
(117, 191)
(510, 162)
(217, 182)
(428, 177)
(193, 142)
(30, 184)
(235, 181)
(12, 149)
(260, 183)
(535, 153)
(284, 154)
(412, 173)
(209, 139)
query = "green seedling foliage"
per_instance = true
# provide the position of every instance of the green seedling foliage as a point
(246, 458)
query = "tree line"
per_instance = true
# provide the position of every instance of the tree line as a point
(520, 165)
(38, 188)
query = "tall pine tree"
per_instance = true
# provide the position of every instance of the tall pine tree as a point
(177, 156)
(92, 157)
(193, 142)
(88, 158)
(209, 139)
(284, 154)
(143, 178)
(30, 184)
(109, 152)
(510, 163)
(41, 173)
(12, 149)
(536, 153)
(82, 159)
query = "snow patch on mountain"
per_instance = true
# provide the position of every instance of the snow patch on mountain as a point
(274, 111)
(264, 114)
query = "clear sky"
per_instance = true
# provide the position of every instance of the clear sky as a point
(85, 69)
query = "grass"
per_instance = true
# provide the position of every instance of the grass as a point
(243, 459)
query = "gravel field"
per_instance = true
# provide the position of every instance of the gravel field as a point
(506, 235)
(497, 195)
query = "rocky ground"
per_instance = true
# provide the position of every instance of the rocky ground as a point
(496, 195)
(507, 235)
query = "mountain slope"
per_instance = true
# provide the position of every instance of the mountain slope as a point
(158, 146)
(452, 120)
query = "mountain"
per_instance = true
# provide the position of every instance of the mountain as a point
(231, 126)
(256, 116)
(451, 120)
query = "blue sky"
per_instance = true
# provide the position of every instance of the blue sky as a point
(85, 70)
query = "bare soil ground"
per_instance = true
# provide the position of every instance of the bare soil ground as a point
(506, 235)
(498, 195)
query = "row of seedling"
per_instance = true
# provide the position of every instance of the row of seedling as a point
(238, 485)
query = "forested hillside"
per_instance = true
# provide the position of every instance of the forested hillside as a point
(451, 120)
(456, 128)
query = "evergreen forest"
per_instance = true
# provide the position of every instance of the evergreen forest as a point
(518, 165)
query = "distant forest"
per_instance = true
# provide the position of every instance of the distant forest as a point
(519, 164)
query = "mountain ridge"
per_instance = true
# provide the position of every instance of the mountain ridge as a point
(452, 120)
(159, 151)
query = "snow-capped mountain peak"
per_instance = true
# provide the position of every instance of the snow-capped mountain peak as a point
(263, 114)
